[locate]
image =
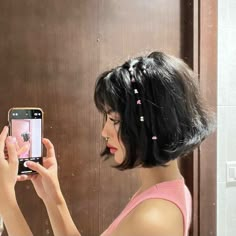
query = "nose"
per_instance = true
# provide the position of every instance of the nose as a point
(105, 131)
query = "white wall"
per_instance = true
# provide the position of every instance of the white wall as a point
(226, 144)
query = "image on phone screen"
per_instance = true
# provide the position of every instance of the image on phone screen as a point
(26, 127)
(28, 135)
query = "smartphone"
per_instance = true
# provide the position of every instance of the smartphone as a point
(26, 125)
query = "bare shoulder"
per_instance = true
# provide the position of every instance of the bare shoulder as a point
(153, 217)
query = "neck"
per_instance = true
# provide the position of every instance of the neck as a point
(155, 175)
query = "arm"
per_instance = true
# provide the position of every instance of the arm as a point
(9, 209)
(14, 220)
(47, 186)
(60, 219)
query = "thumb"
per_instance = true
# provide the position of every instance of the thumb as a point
(36, 167)
(11, 150)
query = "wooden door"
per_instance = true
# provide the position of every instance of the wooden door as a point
(51, 54)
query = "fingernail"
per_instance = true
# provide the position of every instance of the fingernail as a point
(5, 128)
(11, 139)
(28, 163)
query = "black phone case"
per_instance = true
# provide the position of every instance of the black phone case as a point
(23, 169)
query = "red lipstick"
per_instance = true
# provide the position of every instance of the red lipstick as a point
(112, 149)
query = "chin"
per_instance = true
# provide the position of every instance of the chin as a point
(118, 159)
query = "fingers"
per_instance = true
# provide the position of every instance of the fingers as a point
(23, 177)
(50, 148)
(37, 167)
(11, 150)
(3, 137)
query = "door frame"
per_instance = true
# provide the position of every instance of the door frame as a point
(205, 157)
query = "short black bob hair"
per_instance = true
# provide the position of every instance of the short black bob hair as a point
(175, 120)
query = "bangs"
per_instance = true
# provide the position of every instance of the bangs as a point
(106, 95)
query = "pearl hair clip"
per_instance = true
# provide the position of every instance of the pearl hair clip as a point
(136, 92)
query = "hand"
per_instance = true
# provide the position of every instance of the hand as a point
(24, 150)
(46, 181)
(8, 168)
(20, 151)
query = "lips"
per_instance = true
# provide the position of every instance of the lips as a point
(112, 149)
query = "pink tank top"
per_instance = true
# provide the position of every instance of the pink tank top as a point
(174, 191)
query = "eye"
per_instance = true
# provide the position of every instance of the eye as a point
(114, 121)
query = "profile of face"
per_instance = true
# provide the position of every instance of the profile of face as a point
(161, 113)
(110, 133)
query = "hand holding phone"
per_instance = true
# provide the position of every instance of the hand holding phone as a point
(46, 183)
(26, 125)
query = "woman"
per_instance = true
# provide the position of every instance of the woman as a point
(153, 115)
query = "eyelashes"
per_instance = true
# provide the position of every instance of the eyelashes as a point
(115, 122)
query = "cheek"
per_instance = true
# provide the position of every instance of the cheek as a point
(120, 154)
(119, 157)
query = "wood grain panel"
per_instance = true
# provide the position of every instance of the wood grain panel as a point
(208, 86)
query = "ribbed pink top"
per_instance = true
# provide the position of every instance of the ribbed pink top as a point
(174, 191)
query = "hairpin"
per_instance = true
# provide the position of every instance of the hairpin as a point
(144, 69)
(136, 92)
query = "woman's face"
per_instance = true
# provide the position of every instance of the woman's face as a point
(110, 131)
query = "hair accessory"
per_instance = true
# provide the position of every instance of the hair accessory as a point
(131, 70)
(144, 69)
(136, 92)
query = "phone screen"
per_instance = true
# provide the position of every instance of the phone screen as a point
(26, 127)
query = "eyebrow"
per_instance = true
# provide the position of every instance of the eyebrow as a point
(110, 111)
